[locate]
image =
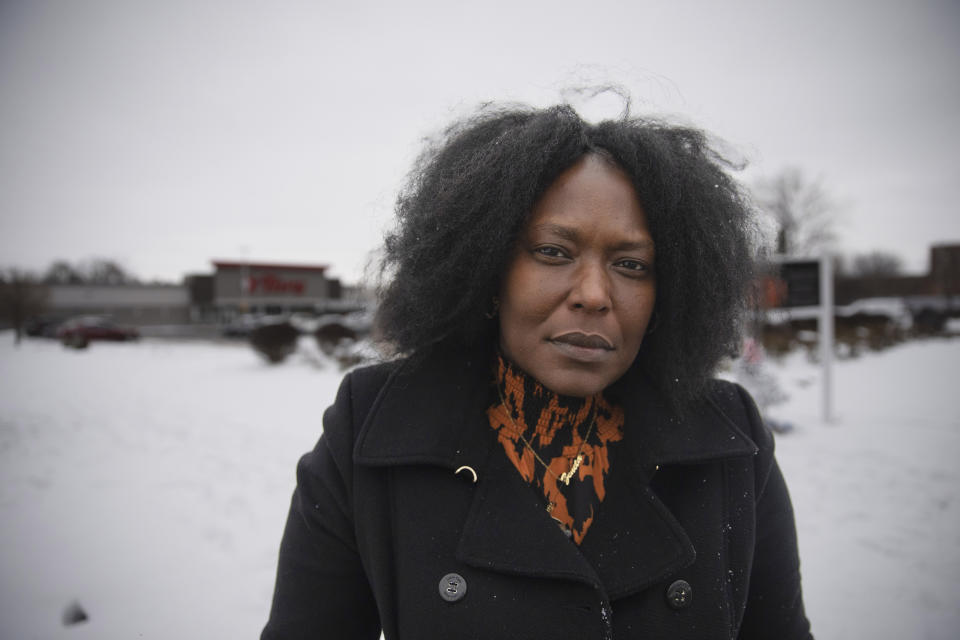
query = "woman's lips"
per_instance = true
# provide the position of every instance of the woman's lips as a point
(582, 346)
(588, 341)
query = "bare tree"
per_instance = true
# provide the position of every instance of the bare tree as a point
(805, 213)
(105, 271)
(62, 272)
(877, 264)
(21, 296)
(93, 271)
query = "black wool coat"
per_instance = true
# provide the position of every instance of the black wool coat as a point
(695, 538)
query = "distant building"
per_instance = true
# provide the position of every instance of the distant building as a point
(136, 304)
(945, 269)
(941, 280)
(927, 300)
(234, 288)
(271, 288)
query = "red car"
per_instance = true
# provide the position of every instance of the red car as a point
(80, 331)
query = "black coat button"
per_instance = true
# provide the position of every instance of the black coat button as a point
(679, 594)
(453, 587)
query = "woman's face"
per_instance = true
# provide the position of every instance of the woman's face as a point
(579, 290)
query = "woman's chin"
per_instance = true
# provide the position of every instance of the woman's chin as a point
(577, 383)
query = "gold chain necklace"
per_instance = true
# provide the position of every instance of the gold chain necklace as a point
(563, 477)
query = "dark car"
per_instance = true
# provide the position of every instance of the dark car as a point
(44, 326)
(241, 326)
(80, 331)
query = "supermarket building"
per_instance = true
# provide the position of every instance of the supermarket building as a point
(233, 289)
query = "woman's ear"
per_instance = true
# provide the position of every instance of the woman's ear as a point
(494, 308)
(654, 321)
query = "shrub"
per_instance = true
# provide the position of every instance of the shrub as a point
(274, 341)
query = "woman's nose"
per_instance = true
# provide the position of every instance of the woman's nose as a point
(591, 288)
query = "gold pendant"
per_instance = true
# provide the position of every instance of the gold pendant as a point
(565, 477)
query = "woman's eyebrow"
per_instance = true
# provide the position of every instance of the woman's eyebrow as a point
(645, 244)
(567, 233)
(564, 232)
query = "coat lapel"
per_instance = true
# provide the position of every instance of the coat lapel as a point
(635, 541)
(508, 530)
(434, 414)
(428, 414)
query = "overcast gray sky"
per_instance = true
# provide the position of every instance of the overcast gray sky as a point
(166, 134)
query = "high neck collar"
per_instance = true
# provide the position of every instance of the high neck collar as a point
(432, 411)
(539, 408)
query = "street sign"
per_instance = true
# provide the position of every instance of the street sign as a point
(802, 280)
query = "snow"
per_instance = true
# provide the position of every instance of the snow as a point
(149, 482)
(875, 493)
(894, 308)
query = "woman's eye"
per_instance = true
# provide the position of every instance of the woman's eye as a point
(551, 252)
(632, 265)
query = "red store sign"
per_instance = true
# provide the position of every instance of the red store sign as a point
(272, 284)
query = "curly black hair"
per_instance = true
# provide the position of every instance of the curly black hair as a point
(471, 191)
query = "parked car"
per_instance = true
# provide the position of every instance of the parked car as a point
(244, 325)
(240, 327)
(79, 331)
(43, 326)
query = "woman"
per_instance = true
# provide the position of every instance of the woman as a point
(551, 457)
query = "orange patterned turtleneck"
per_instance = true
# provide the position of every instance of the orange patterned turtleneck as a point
(554, 427)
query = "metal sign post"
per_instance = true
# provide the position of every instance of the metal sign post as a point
(808, 283)
(826, 334)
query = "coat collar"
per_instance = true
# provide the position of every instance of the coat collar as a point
(421, 415)
(435, 413)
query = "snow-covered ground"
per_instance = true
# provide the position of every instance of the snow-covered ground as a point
(149, 482)
(877, 493)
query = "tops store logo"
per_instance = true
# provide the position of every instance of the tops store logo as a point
(272, 284)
